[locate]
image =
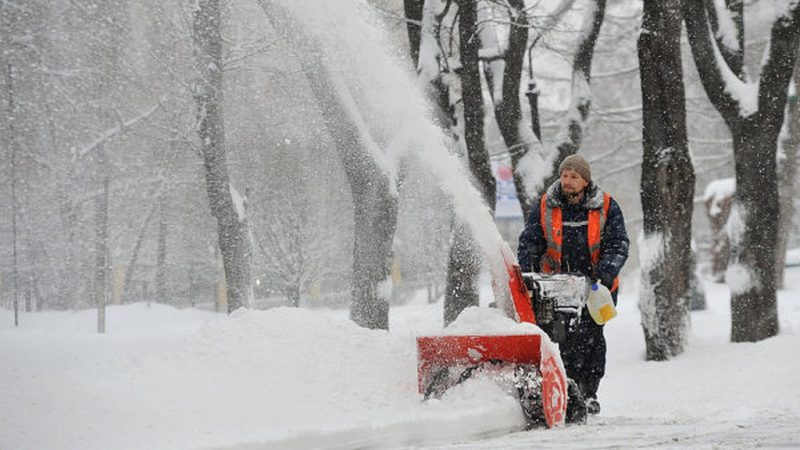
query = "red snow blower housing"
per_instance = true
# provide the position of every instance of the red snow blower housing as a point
(529, 363)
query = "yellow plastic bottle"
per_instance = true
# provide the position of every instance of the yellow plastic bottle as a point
(601, 306)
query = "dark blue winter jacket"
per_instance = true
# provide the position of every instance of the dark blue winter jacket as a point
(575, 256)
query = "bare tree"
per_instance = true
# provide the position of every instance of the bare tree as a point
(754, 112)
(293, 240)
(571, 136)
(503, 64)
(667, 183)
(232, 228)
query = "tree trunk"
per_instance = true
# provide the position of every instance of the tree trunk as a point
(751, 273)
(472, 99)
(696, 288)
(11, 143)
(375, 222)
(293, 294)
(718, 210)
(754, 233)
(101, 240)
(375, 206)
(413, 13)
(161, 252)
(129, 271)
(464, 266)
(231, 227)
(437, 86)
(667, 183)
(787, 174)
(732, 52)
(462, 274)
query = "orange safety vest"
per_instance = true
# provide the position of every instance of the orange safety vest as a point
(552, 227)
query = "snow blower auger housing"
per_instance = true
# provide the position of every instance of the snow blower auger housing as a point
(530, 362)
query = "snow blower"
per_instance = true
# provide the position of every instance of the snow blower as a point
(529, 363)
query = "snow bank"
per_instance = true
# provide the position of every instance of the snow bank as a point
(277, 378)
(297, 378)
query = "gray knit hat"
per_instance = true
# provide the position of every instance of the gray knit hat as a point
(578, 164)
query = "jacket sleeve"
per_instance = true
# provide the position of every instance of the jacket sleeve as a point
(532, 243)
(614, 246)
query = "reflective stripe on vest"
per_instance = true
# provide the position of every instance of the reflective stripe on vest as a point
(552, 226)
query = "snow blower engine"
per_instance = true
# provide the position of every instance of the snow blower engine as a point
(527, 364)
(557, 301)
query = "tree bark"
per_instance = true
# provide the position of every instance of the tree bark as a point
(232, 230)
(754, 314)
(161, 252)
(718, 211)
(413, 13)
(732, 54)
(667, 183)
(438, 85)
(462, 274)
(375, 206)
(101, 239)
(464, 265)
(129, 271)
(787, 174)
(11, 146)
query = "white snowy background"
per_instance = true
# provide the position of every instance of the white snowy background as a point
(307, 378)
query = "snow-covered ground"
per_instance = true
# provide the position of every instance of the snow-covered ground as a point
(298, 378)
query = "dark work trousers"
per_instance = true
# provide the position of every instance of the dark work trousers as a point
(584, 354)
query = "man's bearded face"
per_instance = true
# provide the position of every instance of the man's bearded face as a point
(572, 183)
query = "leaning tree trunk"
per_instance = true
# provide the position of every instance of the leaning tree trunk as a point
(464, 265)
(234, 242)
(753, 225)
(667, 183)
(375, 206)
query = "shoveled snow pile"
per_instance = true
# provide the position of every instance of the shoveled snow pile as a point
(487, 321)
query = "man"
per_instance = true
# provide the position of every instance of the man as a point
(577, 228)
